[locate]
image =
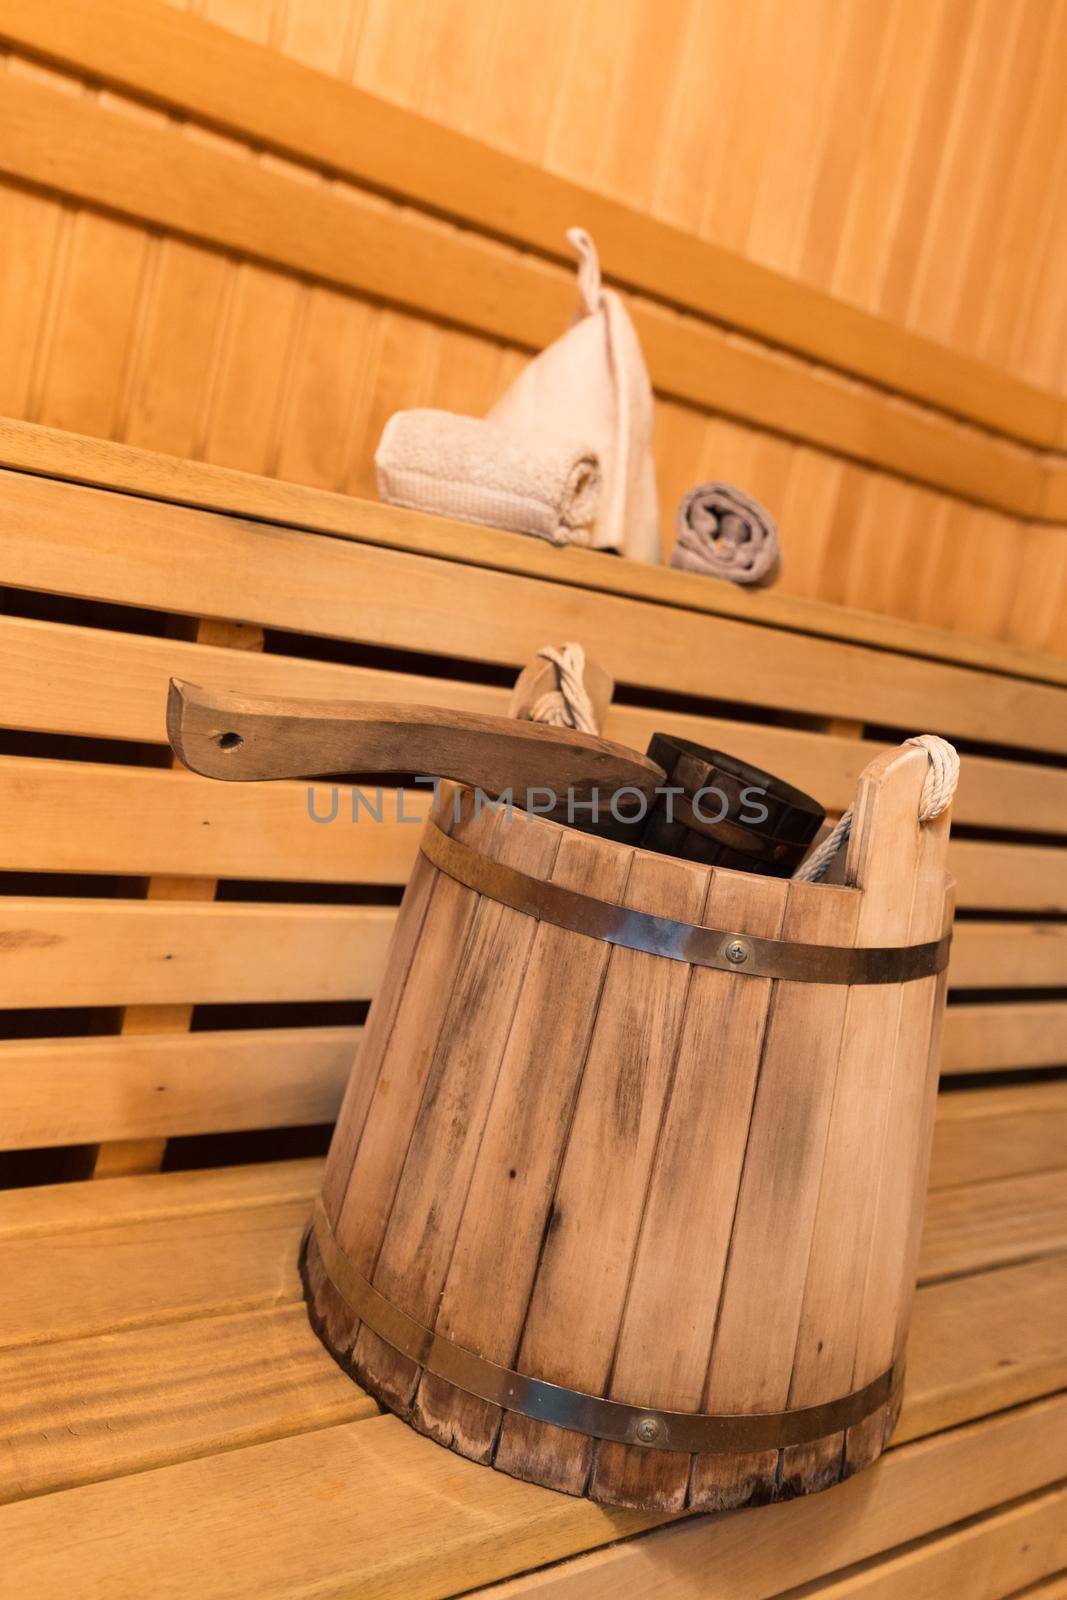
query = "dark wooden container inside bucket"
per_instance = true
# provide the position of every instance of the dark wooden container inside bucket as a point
(631, 1207)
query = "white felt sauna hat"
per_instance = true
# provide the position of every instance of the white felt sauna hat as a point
(592, 384)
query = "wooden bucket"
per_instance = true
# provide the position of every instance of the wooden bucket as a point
(629, 1204)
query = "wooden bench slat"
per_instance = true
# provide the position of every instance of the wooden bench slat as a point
(138, 1086)
(1009, 1548)
(183, 62)
(108, 685)
(1008, 955)
(999, 1037)
(58, 816)
(64, 1208)
(799, 1542)
(979, 1106)
(82, 817)
(219, 1381)
(1009, 1219)
(978, 1345)
(184, 1248)
(1028, 1134)
(126, 952)
(130, 952)
(67, 539)
(129, 1275)
(1006, 877)
(101, 156)
(982, 1343)
(87, 1409)
(86, 1090)
(400, 1517)
(59, 456)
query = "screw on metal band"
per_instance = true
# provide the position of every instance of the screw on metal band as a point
(692, 1432)
(680, 941)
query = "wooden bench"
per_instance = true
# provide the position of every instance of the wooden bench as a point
(170, 1423)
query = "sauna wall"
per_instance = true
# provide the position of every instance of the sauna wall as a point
(905, 156)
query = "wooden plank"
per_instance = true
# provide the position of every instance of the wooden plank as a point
(130, 1275)
(801, 1540)
(680, 1260)
(1008, 1548)
(983, 1343)
(225, 1380)
(83, 1091)
(1004, 877)
(114, 952)
(100, 1407)
(202, 190)
(63, 1208)
(105, 464)
(900, 868)
(1009, 1219)
(386, 1488)
(102, 684)
(1053, 1589)
(177, 560)
(999, 1133)
(108, 952)
(613, 1133)
(59, 816)
(250, 90)
(444, 1136)
(992, 1038)
(1024, 955)
(510, 1195)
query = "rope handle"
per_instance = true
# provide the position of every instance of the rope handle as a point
(939, 785)
(569, 705)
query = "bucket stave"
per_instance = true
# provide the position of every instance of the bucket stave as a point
(570, 1170)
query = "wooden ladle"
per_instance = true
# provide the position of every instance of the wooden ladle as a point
(243, 738)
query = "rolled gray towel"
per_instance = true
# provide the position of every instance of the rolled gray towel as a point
(725, 533)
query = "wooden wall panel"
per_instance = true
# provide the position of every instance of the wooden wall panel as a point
(875, 151)
(903, 155)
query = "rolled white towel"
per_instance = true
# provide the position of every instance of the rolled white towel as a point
(534, 482)
(724, 532)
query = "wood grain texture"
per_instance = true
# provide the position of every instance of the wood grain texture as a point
(108, 952)
(275, 99)
(105, 464)
(105, 684)
(802, 1539)
(226, 1381)
(629, 1067)
(94, 156)
(1008, 1548)
(346, 590)
(239, 738)
(1009, 1219)
(980, 1343)
(680, 1260)
(509, 1202)
(848, 217)
(155, 1086)
(486, 1524)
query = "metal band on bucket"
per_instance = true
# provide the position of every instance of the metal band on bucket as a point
(681, 941)
(692, 1432)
